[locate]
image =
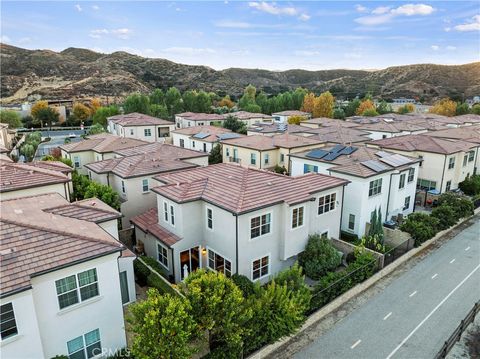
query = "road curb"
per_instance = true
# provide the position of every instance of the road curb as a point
(339, 301)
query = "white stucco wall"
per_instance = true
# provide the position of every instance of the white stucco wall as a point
(60, 188)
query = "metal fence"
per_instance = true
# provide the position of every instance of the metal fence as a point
(398, 251)
(448, 345)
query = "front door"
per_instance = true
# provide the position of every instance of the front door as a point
(189, 261)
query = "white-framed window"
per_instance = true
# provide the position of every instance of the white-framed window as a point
(227, 151)
(406, 204)
(162, 255)
(266, 159)
(309, 168)
(218, 263)
(411, 174)
(182, 142)
(282, 158)
(260, 225)
(351, 222)
(123, 187)
(401, 183)
(260, 267)
(165, 211)
(193, 144)
(124, 287)
(426, 184)
(297, 217)
(77, 288)
(451, 163)
(448, 185)
(172, 215)
(471, 156)
(145, 185)
(327, 203)
(8, 323)
(421, 162)
(147, 132)
(76, 161)
(85, 346)
(209, 218)
(465, 159)
(375, 187)
(253, 158)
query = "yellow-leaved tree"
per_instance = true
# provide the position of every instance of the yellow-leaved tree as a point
(295, 120)
(323, 105)
(444, 107)
(226, 101)
(37, 106)
(95, 104)
(81, 111)
(366, 106)
(308, 102)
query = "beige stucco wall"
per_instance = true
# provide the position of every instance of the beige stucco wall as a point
(60, 188)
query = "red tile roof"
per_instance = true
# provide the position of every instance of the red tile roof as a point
(325, 122)
(148, 223)
(52, 165)
(265, 143)
(169, 151)
(195, 116)
(138, 119)
(239, 189)
(245, 115)
(91, 209)
(102, 144)
(212, 131)
(291, 113)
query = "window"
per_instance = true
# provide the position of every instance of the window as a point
(162, 255)
(204, 147)
(124, 287)
(90, 175)
(326, 203)
(8, 324)
(406, 203)
(219, 264)
(384, 136)
(73, 289)
(451, 163)
(260, 225)
(324, 235)
(165, 211)
(76, 161)
(297, 217)
(182, 142)
(401, 183)
(131, 132)
(266, 159)
(172, 215)
(147, 132)
(145, 185)
(85, 346)
(123, 187)
(227, 152)
(253, 158)
(465, 159)
(426, 184)
(421, 162)
(351, 222)
(310, 168)
(193, 144)
(448, 185)
(282, 158)
(471, 156)
(260, 268)
(209, 218)
(375, 187)
(411, 174)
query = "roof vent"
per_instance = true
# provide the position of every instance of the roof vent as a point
(7, 251)
(269, 183)
(18, 211)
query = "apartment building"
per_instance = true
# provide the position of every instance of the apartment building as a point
(189, 119)
(284, 116)
(201, 138)
(141, 127)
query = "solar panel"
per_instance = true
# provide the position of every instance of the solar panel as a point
(317, 154)
(331, 156)
(226, 136)
(282, 127)
(374, 165)
(337, 148)
(201, 135)
(383, 154)
(395, 160)
(348, 150)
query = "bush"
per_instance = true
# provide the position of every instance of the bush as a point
(319, 257)
(152, 262)
(461, 205)
(244, 284)
(279, 169)
(471, 185)
(154, 281)
(141, 272)
(446, 216)
(420, 226)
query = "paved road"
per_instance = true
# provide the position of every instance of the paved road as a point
(415, 313)
(57, 138)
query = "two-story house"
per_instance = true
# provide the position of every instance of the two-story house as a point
(266, 152)
(141, 127)
(65, 279)
(445, 163)
(234, 219)
(96, 148)
(189, 119)
(284, 116)
(201, 138)
(131, 175)
(251, 118)
(378, 180)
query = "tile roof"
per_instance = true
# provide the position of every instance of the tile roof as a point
(467, 133)
(150, 159)
(422, 143)
(196, 116)
(264, 143)
(91, 209)
(102, 144)
(352, 164)
(3, 149)
(239, 189)
(148, 223)
(52, 165)
(392, 127)
(35, 241)
(325, 122)
(338, 134)
(17, 176)
(276, 128)
(138, 119)
(245, 115)
(291, 113)
(213, 132)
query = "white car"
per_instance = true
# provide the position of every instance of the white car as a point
(72, 135)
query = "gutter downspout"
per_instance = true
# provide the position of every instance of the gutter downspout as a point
(443, 173)
(67, 193)
(341, 212)
(236, 242)
(388, 197)
(108, 179)
(260, 152)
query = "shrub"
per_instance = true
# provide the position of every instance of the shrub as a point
(279, 169)
(471, 185)
(461, 205)
(319, 257)
(141, 272)
(244, 284)
(154, 281)
(372, 242)
(152, 262)
(446, 216)
(420, 226)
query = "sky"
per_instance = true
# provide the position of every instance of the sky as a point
(280, 35)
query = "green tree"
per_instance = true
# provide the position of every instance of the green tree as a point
(104, 193)
(218, 307)
(203, 102)
(159, 111)
(352, 107)
(28, 150)
(173, 101)
(157, 97)
(421, 227)
(461, 205)
(263, 101)
(234, 124)
(215, 155)
(462, 109)
(370, 112)
(384, 107)
(96, 129)
(102, 113)
(407, 108)
(47, 116)
(11, 118)
(446, 216)
(470, 185)
(339, 113)
(189, 99)
(163, 327)
(319, 257)
(476, 109)
(297, 97)
(137, 103)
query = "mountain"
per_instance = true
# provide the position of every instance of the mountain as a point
(80, 73)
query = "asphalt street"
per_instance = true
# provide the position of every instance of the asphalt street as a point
(415, 313)
(57, 138)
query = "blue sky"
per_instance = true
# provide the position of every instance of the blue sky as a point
(255, 34)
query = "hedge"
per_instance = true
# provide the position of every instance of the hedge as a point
(146, 277)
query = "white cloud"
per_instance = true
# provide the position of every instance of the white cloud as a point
(451, 48)
(188, 51)
(447, 29)
(5, 39)
(473, 25)
(361, 8)
(24, 40)
(353, 55)
(123, 33)
(78, 7)
(381, 10)
(98, 33)
(95, 7)
(306, 53)
(383, 14)
(435, 47)
(273, 9)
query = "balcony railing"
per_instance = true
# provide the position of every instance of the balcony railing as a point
(234, 159)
